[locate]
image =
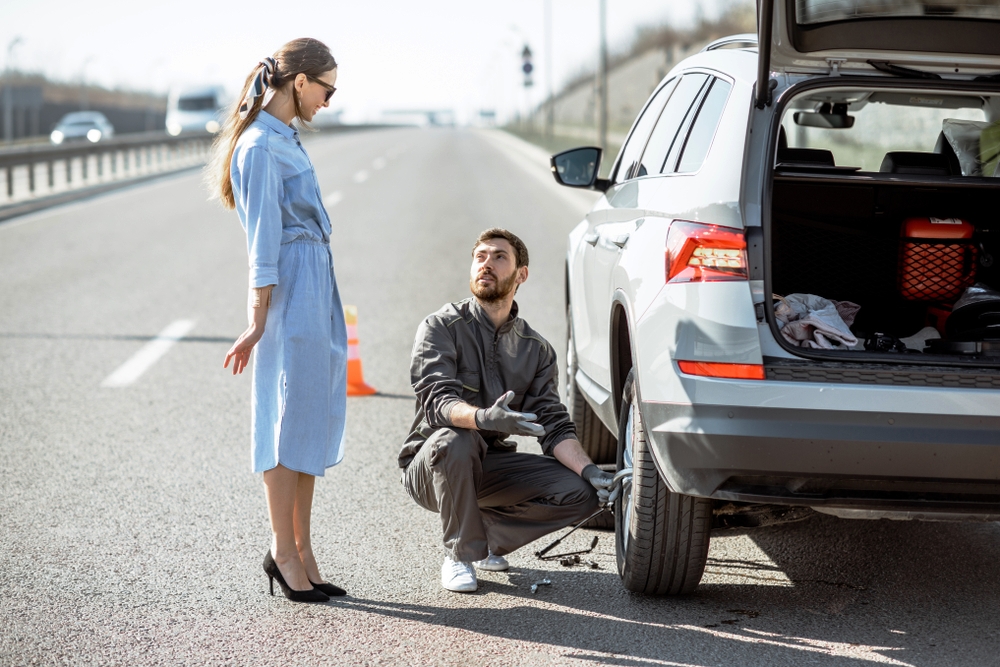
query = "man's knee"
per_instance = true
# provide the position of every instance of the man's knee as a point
(452, 446)
(579, 493)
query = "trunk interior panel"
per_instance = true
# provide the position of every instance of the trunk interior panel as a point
(838, 237)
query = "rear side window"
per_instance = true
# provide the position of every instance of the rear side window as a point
(637, 141)
(671, 120)
(703, 130)
(205, 103)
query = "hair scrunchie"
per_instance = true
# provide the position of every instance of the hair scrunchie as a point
(261, 85)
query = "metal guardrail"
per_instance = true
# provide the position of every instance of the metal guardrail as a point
(84, 164)
(39, 176)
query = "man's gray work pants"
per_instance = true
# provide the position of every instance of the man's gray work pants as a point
(493, 500)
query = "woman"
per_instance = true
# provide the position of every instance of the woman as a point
(296, 319)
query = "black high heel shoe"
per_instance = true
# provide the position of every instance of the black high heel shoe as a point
(272, 572)
(329, 589)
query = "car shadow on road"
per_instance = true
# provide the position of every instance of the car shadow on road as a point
(827, 592)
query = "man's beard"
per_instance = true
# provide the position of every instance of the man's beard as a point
(498, 291)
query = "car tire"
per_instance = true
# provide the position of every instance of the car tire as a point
(661, 537)
(597, 441)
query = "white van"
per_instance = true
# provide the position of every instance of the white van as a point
(195, 109)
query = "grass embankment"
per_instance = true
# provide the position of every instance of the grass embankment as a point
(557, 144)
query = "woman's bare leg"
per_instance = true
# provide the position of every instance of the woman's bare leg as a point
(303, 515)
(281, 486)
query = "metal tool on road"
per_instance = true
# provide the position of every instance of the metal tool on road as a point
(543, 582)
(620, 477)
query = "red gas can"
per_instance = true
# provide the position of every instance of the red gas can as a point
(937, 259)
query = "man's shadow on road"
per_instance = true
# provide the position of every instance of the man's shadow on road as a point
(836, 592)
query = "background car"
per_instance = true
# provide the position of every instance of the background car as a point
(195, 109)
(849, 161)
(89, 126)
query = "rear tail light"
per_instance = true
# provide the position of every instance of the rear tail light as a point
(714, 369)
(697, 252)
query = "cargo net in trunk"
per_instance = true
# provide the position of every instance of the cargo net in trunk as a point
(936, 269)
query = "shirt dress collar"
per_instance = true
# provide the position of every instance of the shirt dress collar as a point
(277, 125)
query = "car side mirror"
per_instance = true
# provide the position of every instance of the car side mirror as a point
(578, 168)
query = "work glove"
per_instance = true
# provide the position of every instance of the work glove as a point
(602, 481)
(504, 420)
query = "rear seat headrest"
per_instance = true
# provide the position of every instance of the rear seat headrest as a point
(926, 164)
(943, 146)
(816, 156)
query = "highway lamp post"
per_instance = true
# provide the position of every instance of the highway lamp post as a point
(602, 79)
(550, 103)
(151, 100)
(8, 93)
(84, 99)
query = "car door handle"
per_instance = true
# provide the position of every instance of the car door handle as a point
(620, 240)
(592, 238)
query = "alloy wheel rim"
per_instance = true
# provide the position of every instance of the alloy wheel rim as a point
(626, 492)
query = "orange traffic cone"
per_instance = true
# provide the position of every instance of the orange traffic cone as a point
(355, 378)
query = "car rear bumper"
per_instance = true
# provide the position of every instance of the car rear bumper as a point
(898, 461)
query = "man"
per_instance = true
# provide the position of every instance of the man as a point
(480, 374)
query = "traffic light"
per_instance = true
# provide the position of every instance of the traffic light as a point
(526, 66)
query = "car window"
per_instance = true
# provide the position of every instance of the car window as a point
(637, 140)
(809, 12)
(703, 131)
(204, 103)
(958, 126)
(669, 123)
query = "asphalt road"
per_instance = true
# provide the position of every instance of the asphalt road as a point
(132, 530)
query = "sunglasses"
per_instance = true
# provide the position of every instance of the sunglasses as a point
(330, 90)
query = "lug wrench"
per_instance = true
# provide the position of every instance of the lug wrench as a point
(619, 477)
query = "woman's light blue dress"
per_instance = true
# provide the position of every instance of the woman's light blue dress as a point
(299, 398)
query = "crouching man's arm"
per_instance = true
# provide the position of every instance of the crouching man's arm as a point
(570, 453)
(560, 438)
(463, 415)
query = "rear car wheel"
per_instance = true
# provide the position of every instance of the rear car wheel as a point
(661, 537)
(597, 441)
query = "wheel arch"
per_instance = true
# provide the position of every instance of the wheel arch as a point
(621, 348)
(566, 282)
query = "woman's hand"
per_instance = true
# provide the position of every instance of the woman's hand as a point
(239, 353)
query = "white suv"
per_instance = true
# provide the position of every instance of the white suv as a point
(712, 293)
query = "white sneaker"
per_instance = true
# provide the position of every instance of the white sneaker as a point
(458, 576)
(493, 563)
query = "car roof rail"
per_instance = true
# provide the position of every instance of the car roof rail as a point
(733, 41)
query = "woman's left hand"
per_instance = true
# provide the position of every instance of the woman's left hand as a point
(239, 353)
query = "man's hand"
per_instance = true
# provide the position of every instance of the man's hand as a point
(602, 481)
(504, 420)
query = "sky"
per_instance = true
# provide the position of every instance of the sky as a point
(462, 55)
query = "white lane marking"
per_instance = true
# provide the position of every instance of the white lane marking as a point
(361, 176)
(148, 355)
(333, 199)
(378, 163)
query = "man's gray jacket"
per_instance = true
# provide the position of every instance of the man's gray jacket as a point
(459, 356)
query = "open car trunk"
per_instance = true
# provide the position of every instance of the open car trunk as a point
(838, 236)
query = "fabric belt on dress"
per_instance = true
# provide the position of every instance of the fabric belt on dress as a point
(307, 241)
